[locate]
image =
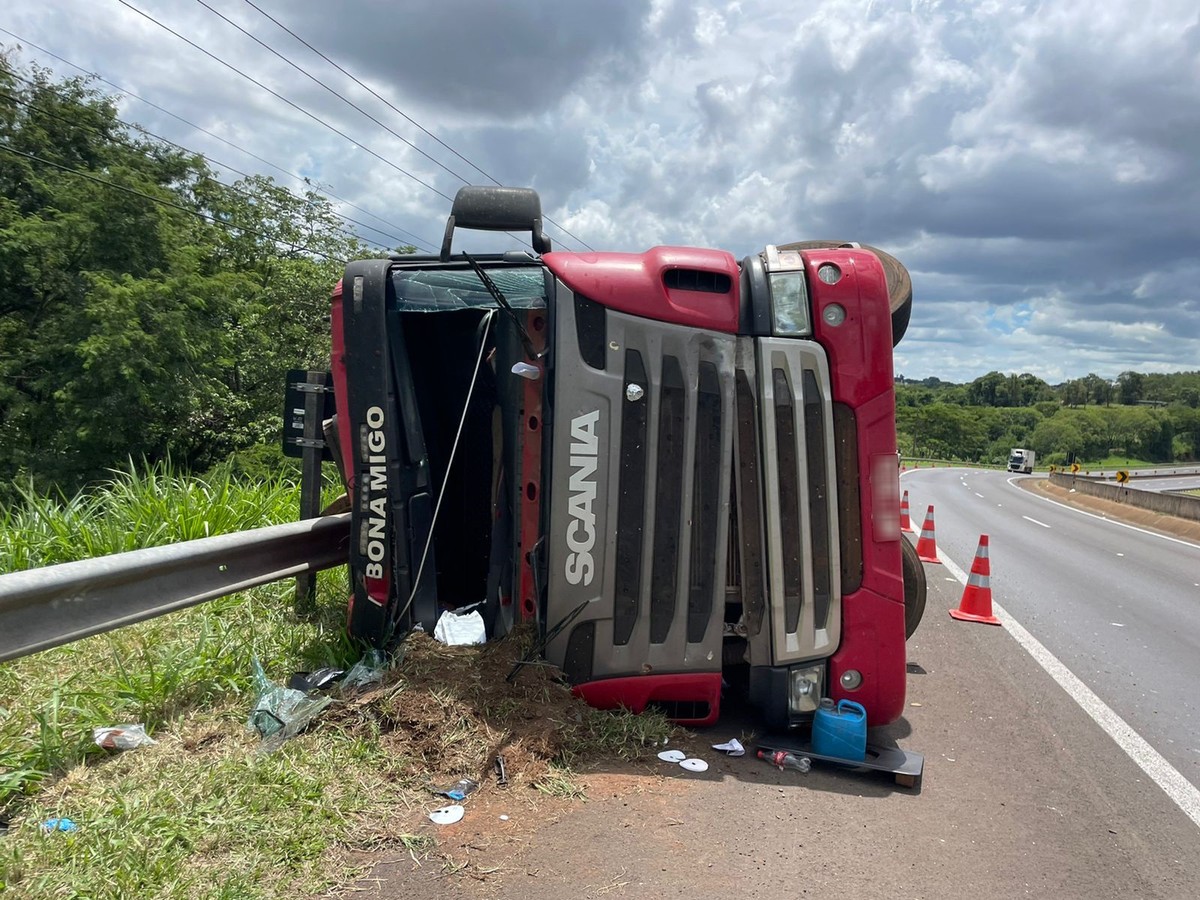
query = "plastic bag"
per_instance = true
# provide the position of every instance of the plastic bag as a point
(368, 670)
(121, 737)
(281, 713)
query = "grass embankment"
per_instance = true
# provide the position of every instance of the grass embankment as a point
(204, 813)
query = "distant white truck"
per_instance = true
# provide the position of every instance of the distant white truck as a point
(1021, 461)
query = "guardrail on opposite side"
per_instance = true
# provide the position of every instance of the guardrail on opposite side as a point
(42, 608)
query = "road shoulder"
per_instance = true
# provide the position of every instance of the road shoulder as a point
(1172, 526)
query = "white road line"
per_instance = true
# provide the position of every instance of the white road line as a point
(979, 495)
(1165, 537)
(1184, 794)
(1036, 522)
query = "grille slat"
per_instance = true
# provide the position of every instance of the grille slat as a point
(706, 503)
(746, 555)
(631, 506)
(789, 500)
(815, 442)
(668, 500)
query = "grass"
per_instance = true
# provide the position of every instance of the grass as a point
(203, 813)
(1121, 462)
(138, 509)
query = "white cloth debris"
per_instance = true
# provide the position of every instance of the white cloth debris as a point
(732, 747)
(456, 630)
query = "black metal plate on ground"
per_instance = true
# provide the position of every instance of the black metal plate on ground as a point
(904, 765)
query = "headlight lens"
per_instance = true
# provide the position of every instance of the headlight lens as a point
(789, 297)
(804, 689)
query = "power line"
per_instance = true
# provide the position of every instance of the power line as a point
(371, 91)
(397, 111)
(295, 106)
(322, 84)
(208, 217)
(277, 95)
(326, 193)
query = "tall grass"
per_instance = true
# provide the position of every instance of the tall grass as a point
(135, 509)
(161, 669)
(202, 814)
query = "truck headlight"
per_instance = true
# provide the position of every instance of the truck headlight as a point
(804, 688)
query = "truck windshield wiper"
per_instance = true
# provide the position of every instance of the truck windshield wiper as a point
(500, 299)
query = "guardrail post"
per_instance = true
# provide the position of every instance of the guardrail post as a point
(314, 388)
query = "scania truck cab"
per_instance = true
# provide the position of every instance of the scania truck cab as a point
(675, 465)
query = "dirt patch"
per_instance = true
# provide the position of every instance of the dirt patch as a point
(1111, 509)
(447, 713)
(450, 712)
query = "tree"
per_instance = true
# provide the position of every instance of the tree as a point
(1131, 387)
(1099, 389)
(1056, 436)
(145, 308)
(987, 390)
(1075, 393)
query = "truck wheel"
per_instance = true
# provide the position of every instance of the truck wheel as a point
(899, 282)
(914, 588)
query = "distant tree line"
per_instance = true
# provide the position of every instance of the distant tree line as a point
(146, 308)
(1150, 417)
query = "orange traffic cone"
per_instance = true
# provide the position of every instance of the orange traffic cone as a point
(905, 522)
(976, 603)
(927, 543)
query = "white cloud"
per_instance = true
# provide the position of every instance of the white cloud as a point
(1033, 164)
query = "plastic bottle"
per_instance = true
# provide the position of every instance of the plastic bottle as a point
(785, 760)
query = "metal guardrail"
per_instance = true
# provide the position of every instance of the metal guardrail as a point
(42, 608)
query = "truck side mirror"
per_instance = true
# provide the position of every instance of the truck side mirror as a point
(484, 208)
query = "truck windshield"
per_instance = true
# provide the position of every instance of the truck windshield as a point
(434, 290)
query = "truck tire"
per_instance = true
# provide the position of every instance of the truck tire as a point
(914, 588)
(899, 282)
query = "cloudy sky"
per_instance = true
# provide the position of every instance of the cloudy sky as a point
(1035, 165)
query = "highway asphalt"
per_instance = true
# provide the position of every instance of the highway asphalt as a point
(1166, 483)
(1119, 606)
(1025, 792)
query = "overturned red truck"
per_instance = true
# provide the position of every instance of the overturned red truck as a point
(680, 468)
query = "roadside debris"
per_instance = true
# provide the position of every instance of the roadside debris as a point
(368, 670)
(501, 774)
(280, 712)
(682, 759)
(782, 759)
(315, 681)
(732, 747)
(52, 825)
(459, 629)
(447, 815)
(460, 789)
(121, 737)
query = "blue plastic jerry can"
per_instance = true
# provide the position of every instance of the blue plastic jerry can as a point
(841, 730)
